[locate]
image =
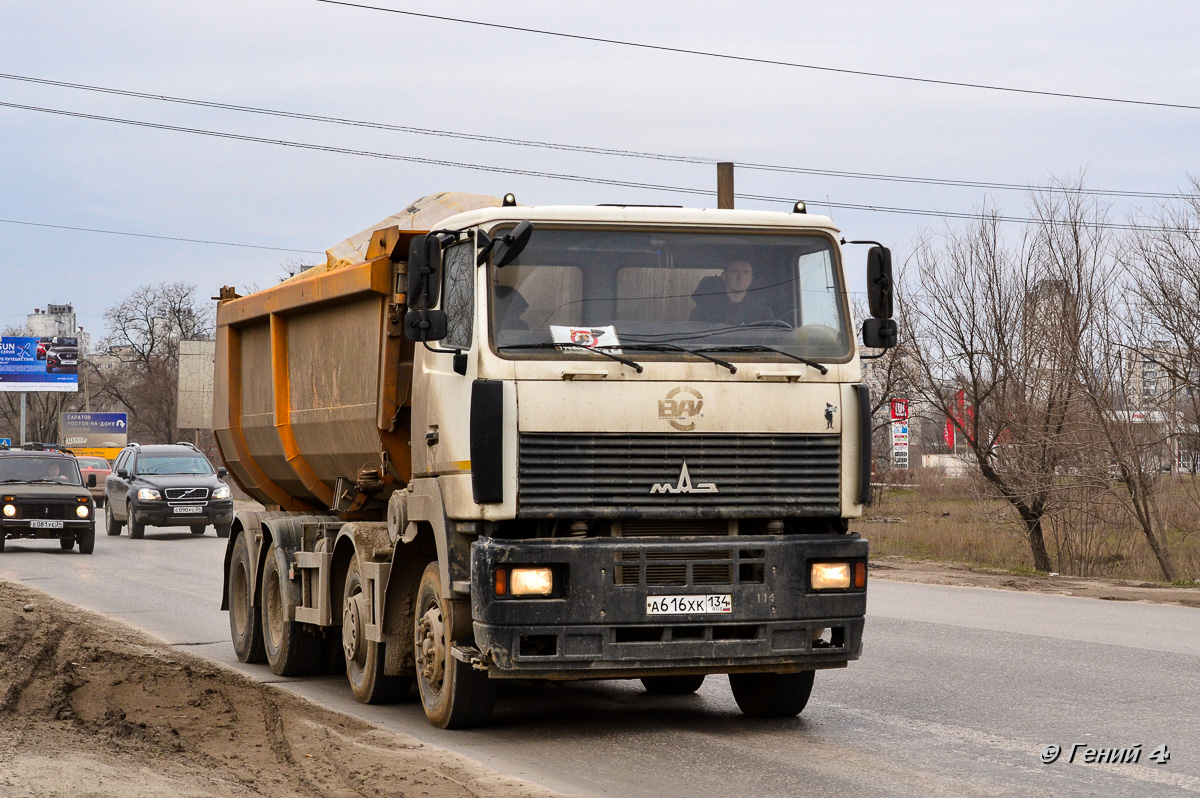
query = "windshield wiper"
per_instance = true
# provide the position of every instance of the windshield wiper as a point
(665, 347)
(759, 348)
(578, 348)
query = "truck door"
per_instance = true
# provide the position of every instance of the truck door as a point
(442, 396)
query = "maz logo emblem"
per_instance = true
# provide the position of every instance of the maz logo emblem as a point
(684, 485)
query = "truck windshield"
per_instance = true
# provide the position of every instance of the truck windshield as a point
(726, 292)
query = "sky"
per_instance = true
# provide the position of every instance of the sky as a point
(333, 60)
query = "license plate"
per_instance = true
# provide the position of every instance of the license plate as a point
(46, 524)
(709, 604)
(184, 509)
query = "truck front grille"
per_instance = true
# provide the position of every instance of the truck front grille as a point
(642, 475)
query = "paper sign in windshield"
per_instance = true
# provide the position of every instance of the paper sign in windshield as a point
(586, 337)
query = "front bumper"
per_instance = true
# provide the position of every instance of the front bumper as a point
(599, 627)
(163, 513)
(23, 528)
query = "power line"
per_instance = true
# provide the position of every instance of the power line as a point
(769, 61)
(161, 238)
(551, 175)
(610, 151)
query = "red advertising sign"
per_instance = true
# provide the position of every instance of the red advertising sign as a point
(899, 410)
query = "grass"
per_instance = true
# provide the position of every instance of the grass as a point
(954, 521)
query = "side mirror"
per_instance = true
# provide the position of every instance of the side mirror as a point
(222, 471)
(91, 480)
(509, 247)
(122, 473)
(880, 333)
(424, 265)
(425, 325)
(879, 282)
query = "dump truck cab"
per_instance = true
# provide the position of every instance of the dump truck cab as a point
(634, 440)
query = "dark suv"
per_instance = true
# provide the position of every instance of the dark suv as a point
(42, 495)
(166, 485)
(62, 353)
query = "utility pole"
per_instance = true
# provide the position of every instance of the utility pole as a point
(725, 184)
(22, 418)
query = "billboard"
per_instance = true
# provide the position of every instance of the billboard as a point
(39, 364)
(197, 363)
(98, 434)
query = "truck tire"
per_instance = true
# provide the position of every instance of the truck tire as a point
(87, 540)
(672, 685)
(290, 648)
(136, 530)
(111, 525)
(245, 626)
(365, 658)
(67, 543)
(771, 695)
(198, 529)
(455, 695)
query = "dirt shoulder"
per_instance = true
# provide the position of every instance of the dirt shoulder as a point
(90, 706)
(903, 569)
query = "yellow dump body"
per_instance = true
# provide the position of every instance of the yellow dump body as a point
(311, 385)
(314, 376)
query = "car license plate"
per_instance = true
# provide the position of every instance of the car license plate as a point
(187, 509)
(46, 524)
(689, 605)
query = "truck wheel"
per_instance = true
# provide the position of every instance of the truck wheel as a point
(223, 530)
(87, 540)
(198, 529)
(771, 695)
(672, 685)
(245, 628)
(66, 544)
(290, 648)
(454, 694)
(111, 525)
(365, 658)
(136, 530)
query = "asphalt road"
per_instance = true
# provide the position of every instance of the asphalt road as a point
(958, 692)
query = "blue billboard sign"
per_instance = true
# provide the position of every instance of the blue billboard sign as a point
(93, 430)
(39, 364)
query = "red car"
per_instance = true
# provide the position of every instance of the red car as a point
(101, 468)
(43, 345)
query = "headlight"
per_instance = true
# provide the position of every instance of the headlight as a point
(148, 494)
(221, 493)
(531, 581)
(10, 510)
(82, 511)
(830, 576)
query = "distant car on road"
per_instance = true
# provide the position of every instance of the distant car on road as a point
(98, 467)
(43, 495)
(166, 485)
(62, 353)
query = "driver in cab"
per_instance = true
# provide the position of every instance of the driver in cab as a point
(727, 299)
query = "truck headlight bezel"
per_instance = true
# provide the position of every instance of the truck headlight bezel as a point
(527, 581)
(837, 576)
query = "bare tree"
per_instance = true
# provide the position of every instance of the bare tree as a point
(144, 334)
(996, 332)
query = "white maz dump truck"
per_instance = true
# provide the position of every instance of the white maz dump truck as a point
(506, 442)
